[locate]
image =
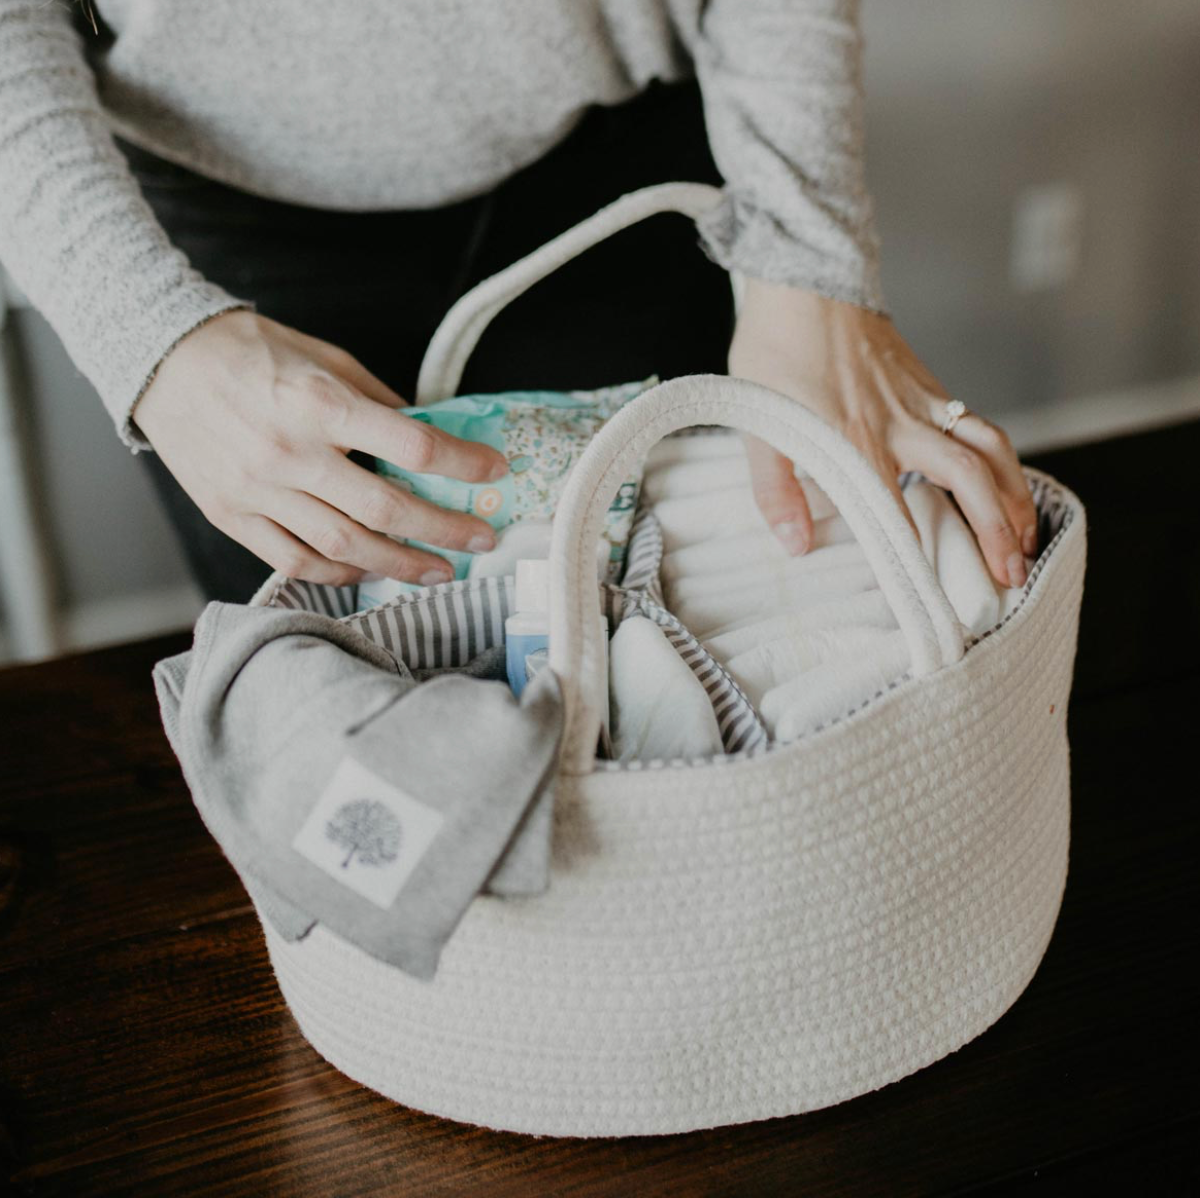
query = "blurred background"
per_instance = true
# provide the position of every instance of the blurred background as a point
(1035, 167)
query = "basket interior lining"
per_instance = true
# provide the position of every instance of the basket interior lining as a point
(446, 626)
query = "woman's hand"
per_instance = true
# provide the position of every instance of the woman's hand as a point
(852, 367)
(255, 420)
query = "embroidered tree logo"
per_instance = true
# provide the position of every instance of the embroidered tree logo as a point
(368, 828)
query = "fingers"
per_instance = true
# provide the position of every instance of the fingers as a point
(337, 540)
(417, 446)
(382, 506)
(873, 388)
(992, 443)
(779, 495)
(346, 406)
(980, 467)
(287, 554)
(969, 475)
(781, 498)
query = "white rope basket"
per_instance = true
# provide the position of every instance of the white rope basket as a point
(761, 934)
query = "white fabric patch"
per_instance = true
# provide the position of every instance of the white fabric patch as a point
(367, 833)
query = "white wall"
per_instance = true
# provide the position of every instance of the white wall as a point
(116, 571)
(971, 103)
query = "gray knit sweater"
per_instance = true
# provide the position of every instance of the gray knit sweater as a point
(384, 104)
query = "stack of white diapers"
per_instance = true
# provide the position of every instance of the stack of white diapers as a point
(810, 637)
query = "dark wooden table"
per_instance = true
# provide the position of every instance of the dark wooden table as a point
(146, 1049)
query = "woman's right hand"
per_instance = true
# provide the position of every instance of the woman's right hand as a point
(254, 419)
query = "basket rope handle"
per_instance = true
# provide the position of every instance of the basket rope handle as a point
(463, 325)
(934, 634)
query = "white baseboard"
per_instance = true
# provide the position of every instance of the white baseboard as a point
(131, 617)
(115, 620)
(1096, 417)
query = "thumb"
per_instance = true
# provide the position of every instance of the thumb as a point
(779, 495)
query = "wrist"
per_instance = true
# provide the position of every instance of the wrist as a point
(187, 358)
(773, 306)
(780, 322)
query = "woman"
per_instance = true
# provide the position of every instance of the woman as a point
(249, 270)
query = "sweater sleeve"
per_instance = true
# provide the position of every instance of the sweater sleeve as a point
(76, 232)
(783, 100)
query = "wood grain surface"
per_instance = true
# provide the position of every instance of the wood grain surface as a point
(146, 1049)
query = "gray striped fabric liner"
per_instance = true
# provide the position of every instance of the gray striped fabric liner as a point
(643, 556)
(740, 724)
(640, 593)
(1053, 512)
(315, 596)
(440, 626)
(616, 603)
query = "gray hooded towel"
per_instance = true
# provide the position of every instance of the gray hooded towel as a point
(347, 793)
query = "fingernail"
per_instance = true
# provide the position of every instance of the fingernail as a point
(481, 542)
(432, 577)
(792, 536)
(1016, 570)
(498, 471)
(1029, 541)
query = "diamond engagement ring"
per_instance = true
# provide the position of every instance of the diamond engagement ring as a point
(955, 410)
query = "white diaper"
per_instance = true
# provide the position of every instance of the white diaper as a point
(658, 708)
(807, 638)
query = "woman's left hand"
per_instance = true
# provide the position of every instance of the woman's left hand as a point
(852, 367)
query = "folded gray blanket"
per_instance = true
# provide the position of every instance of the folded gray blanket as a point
(346, 792)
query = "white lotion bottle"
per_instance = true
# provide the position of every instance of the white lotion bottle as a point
(527, 635)
(527, 630)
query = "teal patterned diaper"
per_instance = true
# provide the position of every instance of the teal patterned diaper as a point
(542, 434)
